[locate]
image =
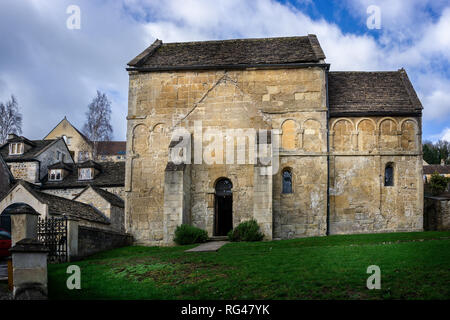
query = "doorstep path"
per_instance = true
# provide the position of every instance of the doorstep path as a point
(211, 246)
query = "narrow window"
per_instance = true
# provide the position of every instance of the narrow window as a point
(287, 181)
(389, 175)
(85, 174)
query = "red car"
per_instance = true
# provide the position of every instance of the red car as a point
(5, 243)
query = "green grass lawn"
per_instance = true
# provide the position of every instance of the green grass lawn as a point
(413, 266)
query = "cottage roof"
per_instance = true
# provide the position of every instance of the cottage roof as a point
(111, 148)
(61, 165)
(62, 206)
(106, 195)
(112, 174)
(89, 164)
(432, 168)
(30, 154)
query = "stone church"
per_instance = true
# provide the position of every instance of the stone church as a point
(345, 147)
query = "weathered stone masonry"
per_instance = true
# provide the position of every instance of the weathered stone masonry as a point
(336, 139)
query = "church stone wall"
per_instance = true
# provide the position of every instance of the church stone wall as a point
(202, 190)
(303, 212)
(249, 99)
(292, 103)
(360, 150)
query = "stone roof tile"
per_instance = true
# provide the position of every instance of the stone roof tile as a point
(372, 93)
(282, 50)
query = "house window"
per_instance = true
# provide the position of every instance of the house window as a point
(15, 148)
(287, 181)
(55, 175)
(83, 156)
(68, 141)
(58, 155)
(85, 174)
(389, 175)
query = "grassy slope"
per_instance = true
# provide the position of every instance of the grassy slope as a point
(311, 268)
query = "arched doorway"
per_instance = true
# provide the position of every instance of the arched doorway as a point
(223, 217)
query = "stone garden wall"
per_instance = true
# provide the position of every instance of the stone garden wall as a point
(93, 240)
(437, 213)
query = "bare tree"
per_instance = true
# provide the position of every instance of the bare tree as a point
(98, 123)
(10, 119)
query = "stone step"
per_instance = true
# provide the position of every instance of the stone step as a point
(211, 246)
(218, 238)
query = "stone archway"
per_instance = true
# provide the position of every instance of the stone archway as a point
(223, 204)
(5, 218)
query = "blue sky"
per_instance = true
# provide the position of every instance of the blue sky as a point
(54, 71)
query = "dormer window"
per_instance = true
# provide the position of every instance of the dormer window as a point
(55, 175)
(85, 174)
(15, 148)
(88, 170)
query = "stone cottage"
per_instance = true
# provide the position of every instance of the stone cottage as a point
(42, 174)
(29, 159)
(345, 147)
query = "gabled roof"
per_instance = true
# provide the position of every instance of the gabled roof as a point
(372, 93)
(90, 164)
(111, 148)
(432, 168)
(37, 147)
(61, 165)
(62, 206)
(108, 196)
(112, 174)
(236, 52)
(6, 168)
(75, 128)
(20, 139)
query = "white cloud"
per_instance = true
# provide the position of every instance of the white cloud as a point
(446, 134)
(443, 135)
(54, 71)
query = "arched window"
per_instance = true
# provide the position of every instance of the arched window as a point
(389, 175)
(287, 181)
